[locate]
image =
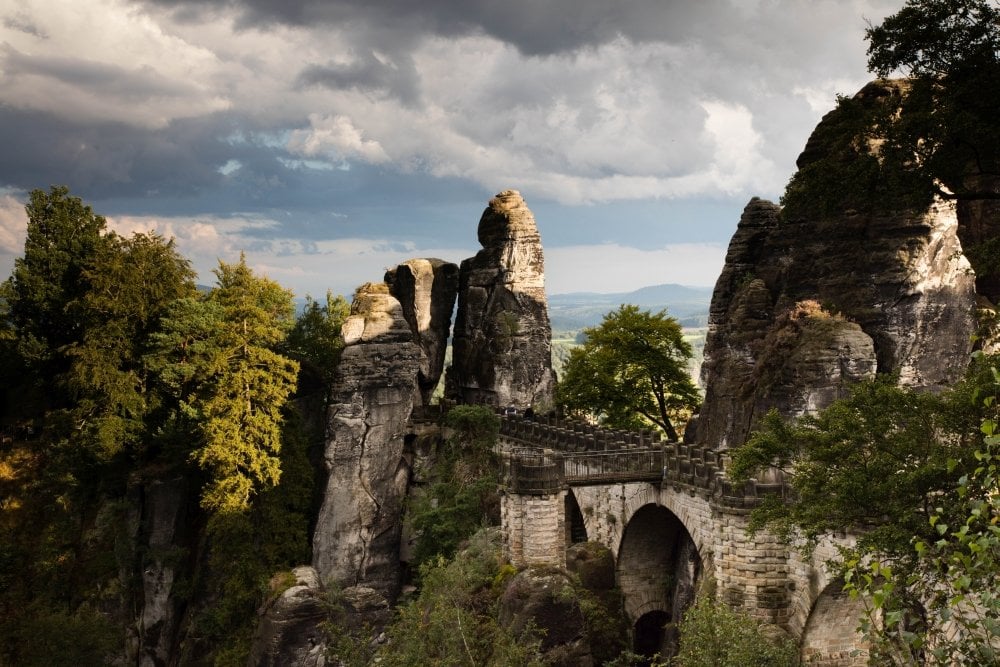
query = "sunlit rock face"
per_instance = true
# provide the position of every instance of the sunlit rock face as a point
(807, 306)
(502, 341)
(426, 290)
(357, 532)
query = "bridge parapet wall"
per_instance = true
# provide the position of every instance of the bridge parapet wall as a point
(573, 453)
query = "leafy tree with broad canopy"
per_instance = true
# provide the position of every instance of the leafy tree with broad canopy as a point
(632, 371)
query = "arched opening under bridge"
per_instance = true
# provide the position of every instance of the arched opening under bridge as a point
(658, 571)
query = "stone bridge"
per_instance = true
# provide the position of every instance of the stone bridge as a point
(670, 517)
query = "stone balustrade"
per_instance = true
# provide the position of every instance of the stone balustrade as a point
(549, 453)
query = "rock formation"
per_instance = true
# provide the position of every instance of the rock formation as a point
(165, 516)
(426, 289)
(501, 347)
(358, 528)
(807, 305)
(289, 631)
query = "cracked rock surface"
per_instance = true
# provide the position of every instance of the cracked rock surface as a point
(358, 530)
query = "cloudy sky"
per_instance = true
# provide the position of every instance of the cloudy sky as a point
(329, 139)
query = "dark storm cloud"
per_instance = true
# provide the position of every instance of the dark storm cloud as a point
(23, 23)
(368, 73)
(534, 27)
(171, 168)
(99, 78)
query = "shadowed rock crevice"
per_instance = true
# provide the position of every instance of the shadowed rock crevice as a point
(426, 289)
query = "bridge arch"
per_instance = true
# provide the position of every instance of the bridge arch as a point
(576, 526)
(658, 568)
(830, 636)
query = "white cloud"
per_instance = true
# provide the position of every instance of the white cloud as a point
(335, 137)
(13, 225)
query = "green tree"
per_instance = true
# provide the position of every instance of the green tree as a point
(936, 134)
(948, 131)
(914, 475)
(315, 342)
(462, 497)
(948, 585)
(877, 453)
(131, 284)
(64, 239)
(631, 371)
(714, 635)
(216, 357)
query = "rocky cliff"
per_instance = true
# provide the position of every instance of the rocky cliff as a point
(358, 529)
(501, 347)
(808, 304)
(426, 290)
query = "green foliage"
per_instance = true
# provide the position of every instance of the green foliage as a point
(245, 548)
(314, 341)
(216, 359)
(46, 637)
(116, 370)
(938, 134)
(454, 620)
(632, 371)
(943, 605)
(462, 496)
(876, 454)
(64, 238)
(475, 425)
(857, 169)
(715, 635)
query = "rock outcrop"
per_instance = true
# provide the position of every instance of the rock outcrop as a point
(426, 290)
(165, 533)
(807, 305)
(501, 347)
(358, 528)
(289, 629)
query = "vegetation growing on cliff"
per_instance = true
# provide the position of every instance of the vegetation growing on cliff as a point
(462, 495)
(898, 144)
(915, 475)
(117, 373)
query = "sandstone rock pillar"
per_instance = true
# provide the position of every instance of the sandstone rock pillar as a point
(502, 341)
(357, 532)
(426, 289)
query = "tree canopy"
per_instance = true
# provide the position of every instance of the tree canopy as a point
(935, 134)
(914, 475)
(631, 371)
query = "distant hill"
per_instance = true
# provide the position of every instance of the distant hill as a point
(571, 312)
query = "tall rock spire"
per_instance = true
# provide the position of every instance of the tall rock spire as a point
(502, 341)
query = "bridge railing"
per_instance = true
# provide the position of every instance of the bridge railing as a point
(623, 465)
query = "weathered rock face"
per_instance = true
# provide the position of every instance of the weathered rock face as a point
(358, 529)
(902, 293)
(165, 512)
(426, 290)
(289, 630)
(502, 341)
